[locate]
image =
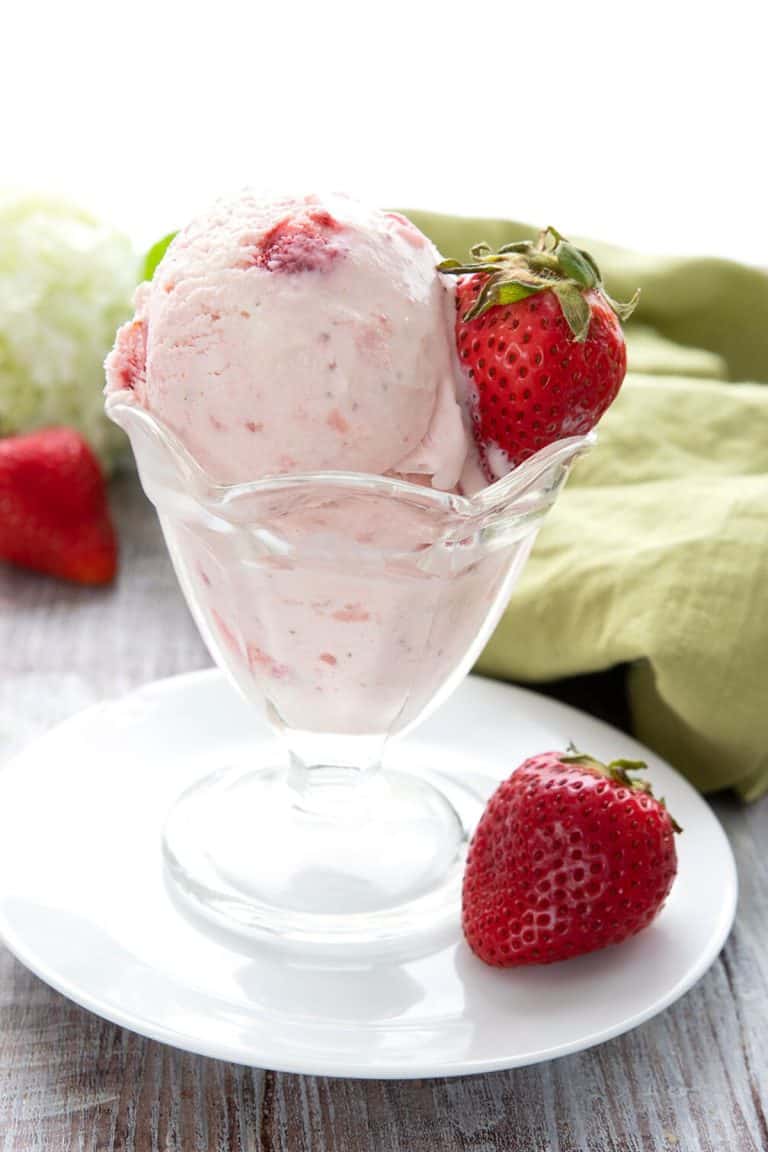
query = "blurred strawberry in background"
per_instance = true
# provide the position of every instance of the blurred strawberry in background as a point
(53, 508)
(66, 282)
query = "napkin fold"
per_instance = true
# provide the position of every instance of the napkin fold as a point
(656, 555)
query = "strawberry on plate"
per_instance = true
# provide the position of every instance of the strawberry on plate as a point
(53, 507)
(570, 855)
(540, 344)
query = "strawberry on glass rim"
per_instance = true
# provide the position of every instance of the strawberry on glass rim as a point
(540, 345)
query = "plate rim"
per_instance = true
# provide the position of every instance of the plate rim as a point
(325, 1066)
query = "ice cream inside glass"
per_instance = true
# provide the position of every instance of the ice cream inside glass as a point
(298, 419)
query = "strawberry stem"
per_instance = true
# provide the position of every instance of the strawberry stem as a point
(525, 267)
(620, 772)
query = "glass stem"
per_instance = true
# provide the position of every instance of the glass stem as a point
(326, 770)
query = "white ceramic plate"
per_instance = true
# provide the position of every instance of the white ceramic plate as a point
(83, 903)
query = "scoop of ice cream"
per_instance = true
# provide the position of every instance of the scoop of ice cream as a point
(297, 335)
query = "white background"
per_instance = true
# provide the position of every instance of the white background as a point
(643, 123)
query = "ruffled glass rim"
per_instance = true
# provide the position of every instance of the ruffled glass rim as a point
(124, 410)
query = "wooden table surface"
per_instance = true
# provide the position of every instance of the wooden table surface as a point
(695, 1078)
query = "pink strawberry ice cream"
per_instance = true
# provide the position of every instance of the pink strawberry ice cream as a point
(298, 335)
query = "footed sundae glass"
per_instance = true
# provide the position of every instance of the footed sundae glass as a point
(349, 606)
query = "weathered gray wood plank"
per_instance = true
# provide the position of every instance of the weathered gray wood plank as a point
(693, 1080)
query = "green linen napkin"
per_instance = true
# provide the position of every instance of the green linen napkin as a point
(656, 555)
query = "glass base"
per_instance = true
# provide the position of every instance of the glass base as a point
(322, 855)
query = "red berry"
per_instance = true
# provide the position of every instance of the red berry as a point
(569, 856)
(532, 382)
(53, 508)
(540, 345)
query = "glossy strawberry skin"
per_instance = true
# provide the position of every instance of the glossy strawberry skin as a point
(54, 516)
(563, 862)
(532, 383)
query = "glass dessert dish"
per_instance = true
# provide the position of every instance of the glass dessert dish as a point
(350, 606)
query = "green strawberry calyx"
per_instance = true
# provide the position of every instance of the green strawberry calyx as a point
(548, 264)
(620, 772)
